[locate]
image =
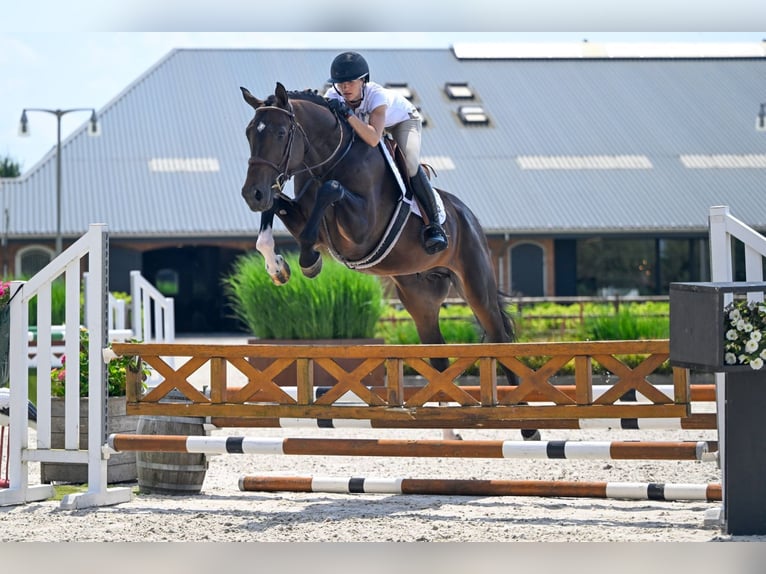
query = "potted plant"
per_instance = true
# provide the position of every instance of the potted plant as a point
(121, 467)
(745, 332)
(337, 307)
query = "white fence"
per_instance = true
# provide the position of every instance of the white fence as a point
(152, 317)
(724, 230)
(152, 314)
(89, 250)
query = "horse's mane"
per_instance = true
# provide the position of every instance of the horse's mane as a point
(307, 95)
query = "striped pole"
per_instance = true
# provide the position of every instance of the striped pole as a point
(698, 393)
(563, 449)
(452, 487)
(696, 421)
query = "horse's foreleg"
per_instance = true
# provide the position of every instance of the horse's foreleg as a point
(276, 266)
(327, 194)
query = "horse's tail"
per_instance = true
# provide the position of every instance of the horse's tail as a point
(508, 323)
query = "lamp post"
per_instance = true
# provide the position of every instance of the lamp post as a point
(93, 130)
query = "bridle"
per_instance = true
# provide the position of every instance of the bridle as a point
(283, 167)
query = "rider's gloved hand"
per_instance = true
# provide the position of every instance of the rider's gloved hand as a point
(340, 108)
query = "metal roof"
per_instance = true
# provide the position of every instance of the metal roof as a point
(603, 145)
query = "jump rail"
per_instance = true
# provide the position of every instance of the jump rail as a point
(563, 449)
(473, 487)
(494, 404)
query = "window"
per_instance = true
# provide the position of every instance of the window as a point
(459, 91)
(473, 115)
(528, 270)
(30, 260)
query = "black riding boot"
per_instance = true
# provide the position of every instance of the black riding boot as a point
(434, 238)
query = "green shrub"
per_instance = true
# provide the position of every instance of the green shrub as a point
(337, 304)
(457, 323)
(626, 325)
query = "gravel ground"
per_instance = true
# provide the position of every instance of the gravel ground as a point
(223, 513)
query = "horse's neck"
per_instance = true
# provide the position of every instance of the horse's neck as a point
(328, 140)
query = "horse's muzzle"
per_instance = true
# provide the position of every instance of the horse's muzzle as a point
(256, 199)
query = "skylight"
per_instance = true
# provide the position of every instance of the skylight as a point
(473, 115)
(583, 162)
(458, 91)
(724, 161)
(184, 164)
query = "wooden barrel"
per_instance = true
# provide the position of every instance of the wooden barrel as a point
(170, 472)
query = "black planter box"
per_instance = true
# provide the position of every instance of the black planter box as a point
(697, 330)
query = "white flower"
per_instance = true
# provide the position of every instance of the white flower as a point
(734, 314)
(741, 324)
(756, 364)
(756, 335)
(763, 355)
(731, 335)
(731, 358)
(742, 359)
(751, 346)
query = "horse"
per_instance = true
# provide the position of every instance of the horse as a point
(348, 200)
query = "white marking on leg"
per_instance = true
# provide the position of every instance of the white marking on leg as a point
(265, 245)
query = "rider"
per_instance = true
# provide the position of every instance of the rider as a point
(370, 108)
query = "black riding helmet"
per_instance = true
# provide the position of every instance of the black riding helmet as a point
(349, 66)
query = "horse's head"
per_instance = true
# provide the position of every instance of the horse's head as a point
(273, 153)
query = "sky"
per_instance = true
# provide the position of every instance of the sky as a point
(106, 48)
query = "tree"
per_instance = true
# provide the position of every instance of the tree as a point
(9, 168)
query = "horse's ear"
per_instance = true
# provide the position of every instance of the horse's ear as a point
(250, 98)
(281, 93)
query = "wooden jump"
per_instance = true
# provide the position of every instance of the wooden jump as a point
(453, 487)
(493, 404)
(599, 450)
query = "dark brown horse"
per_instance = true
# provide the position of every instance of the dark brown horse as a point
(346, 198)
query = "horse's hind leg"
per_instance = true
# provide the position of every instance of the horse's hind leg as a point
(479, 289)
(422, 296)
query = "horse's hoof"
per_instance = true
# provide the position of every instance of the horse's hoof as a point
(311, 270)
(529, 434)
(282, 274)
(280, 278)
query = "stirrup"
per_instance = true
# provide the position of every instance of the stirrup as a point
(434, 239)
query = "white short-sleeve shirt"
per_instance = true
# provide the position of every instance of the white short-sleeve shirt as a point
(398, 107)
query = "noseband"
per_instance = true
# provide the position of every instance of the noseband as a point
(283, 167)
